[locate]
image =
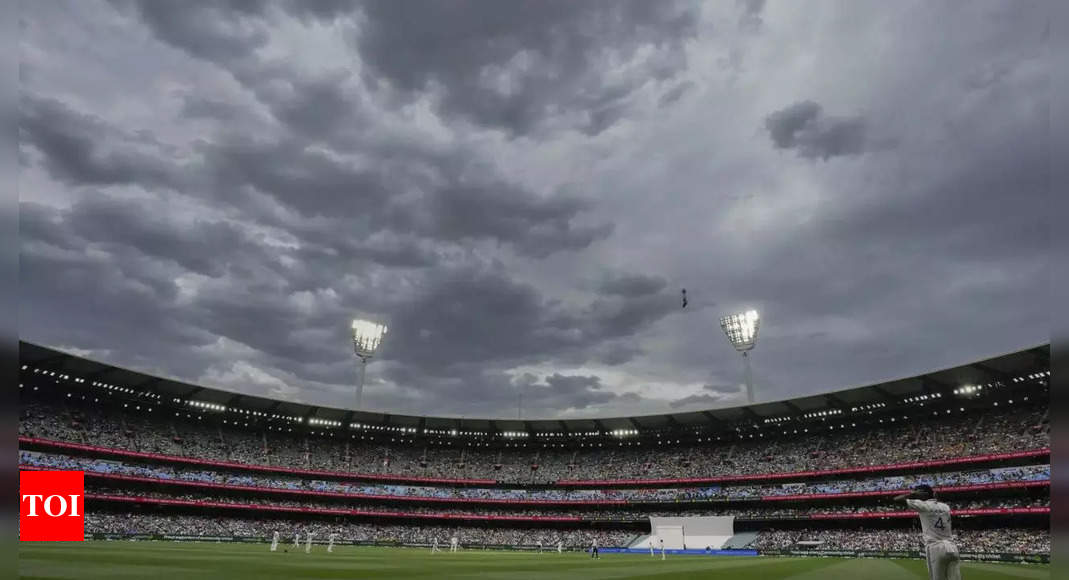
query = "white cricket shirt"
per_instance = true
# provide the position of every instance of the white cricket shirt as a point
(935, 519)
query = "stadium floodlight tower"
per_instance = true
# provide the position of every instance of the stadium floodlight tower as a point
(367, 336)
(741, 330)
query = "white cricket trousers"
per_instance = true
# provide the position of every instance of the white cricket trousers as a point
(943, 561)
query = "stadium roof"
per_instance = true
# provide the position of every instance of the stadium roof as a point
(1004, 369)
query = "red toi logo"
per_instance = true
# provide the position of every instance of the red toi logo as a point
(52, 506)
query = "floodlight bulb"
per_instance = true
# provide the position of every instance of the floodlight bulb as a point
(367, 336)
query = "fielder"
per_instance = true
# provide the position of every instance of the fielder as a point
(434, 545)
(297, 540)
(274, 541)
(939, 547)
(453, 544)
(330, 546)
(539, 546)
(308, 544)
(651, 547)
(560, 546)
(662, 548)
(594, 549)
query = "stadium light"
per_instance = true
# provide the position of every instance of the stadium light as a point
(367, 336)
(741, 330)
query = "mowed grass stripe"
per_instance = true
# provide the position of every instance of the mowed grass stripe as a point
(202, 561)
(852, 569)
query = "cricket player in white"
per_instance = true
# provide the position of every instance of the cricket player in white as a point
(308, 544)
(662, 548)
(274, 541)
(539, 546)
(453, 544)
(651, 546)
(330, 546)
(297, 540)
(594, 549)
(434, 545)
(560, 546)
(939, 547)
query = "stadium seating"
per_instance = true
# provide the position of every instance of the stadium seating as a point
(168, 473)
(948, 438)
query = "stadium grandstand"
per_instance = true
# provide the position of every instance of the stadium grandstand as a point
(165, 459)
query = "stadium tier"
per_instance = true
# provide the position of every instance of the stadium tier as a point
(165, 459)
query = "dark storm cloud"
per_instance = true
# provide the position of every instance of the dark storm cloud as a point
(706, 401)
(120, 299)
(451, 208)
(675, 93)
(323, 10)
(549, 54)
(633, 285)
(214, 31)
(491, 393)
(614, 317)
(805, 128)
(712, 396)
(194, 107)
(253, 314)
(750, 14)
(722, 389)
(203, 198)
(295, 175)
(319, 107)
(615, 354)
(200, 246)
(574, 391)
(76, 147)
(378, 197)
(507, 66)
(474, 316)
(536, 227)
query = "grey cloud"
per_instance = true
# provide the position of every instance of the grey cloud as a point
(551, 54)
(104, 302)
(805, 128)
(561, 44)
(484, 392)
(623, 317)
(310, 182)
(323, 10)
(615, 354)
(574, 391)
(696, 401)
(633, 285)
(376, 197)
(471, 243)
(535, 227)
(722, 389)
(314, 184)
(323, 108)
(195, 107)
(75, 147)
(471, 316)
(307, 180)
(201, 246)
(674, 94)
(750, 18)
(214, 31)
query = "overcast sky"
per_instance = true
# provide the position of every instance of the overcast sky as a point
(520, 190)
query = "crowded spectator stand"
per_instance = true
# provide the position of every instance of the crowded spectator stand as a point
(163, 459)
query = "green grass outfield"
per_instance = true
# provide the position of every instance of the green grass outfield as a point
(200, 561)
